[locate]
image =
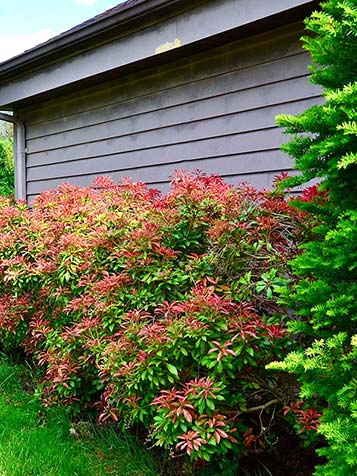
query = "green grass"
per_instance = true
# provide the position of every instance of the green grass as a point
(34, 445)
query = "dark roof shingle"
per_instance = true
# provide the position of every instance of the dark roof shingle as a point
(102, 16)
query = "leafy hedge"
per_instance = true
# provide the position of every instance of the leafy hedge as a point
(7, 179)
(155, 309)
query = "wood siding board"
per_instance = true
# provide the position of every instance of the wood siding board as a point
(258, 179)
(227, 109)
(249, 98)
(236, 101)
(252, 162)
(203, 130)
(261, 120)
(157, 161)
(231, 142)
(127, 164)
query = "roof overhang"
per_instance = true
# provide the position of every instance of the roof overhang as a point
(134, 35)
(81, 36)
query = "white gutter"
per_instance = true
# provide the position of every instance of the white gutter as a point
(20, 155)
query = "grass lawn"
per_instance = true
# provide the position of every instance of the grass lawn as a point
(31, 445)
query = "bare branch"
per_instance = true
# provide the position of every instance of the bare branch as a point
(258, 408)
(261, 407)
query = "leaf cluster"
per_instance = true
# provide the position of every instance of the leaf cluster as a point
(7, 179)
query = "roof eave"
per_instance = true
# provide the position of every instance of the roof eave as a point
(82, 34)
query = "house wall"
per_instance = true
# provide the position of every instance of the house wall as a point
(213, 111)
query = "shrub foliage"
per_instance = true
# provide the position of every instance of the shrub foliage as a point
(158, 310)
(6, 168)
(325, 147)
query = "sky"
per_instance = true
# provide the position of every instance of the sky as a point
(26, 23)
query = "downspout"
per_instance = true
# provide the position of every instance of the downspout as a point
(20, 155)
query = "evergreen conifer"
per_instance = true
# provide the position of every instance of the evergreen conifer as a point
(324, 145)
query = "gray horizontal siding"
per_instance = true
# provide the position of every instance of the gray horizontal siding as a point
(114, 121)
(215, 113)
(197, 145)
(201, 136)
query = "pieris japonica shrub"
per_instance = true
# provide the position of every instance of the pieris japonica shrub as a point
(151, 309)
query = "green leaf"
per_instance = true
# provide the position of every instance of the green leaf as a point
(172, 369)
